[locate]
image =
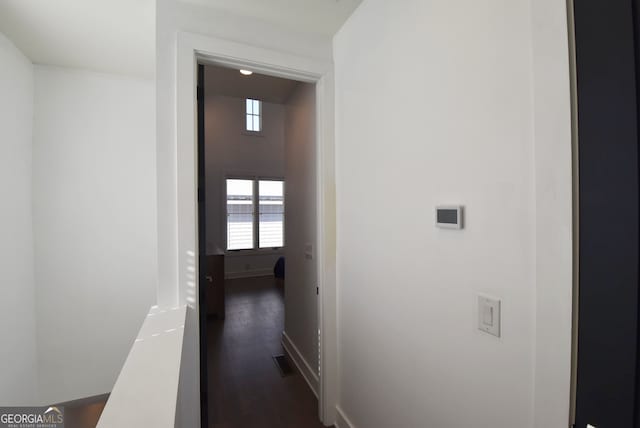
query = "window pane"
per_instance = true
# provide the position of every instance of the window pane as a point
(249, 122)
(271, 208)
(256, 107)
(256, 123)
(239, 214)
(249, 106)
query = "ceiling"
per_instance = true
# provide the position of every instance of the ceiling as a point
(229, 82)
(315, 16)
(116, 36)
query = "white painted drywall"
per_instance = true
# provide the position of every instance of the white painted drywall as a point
(94, 223)
(435, 105)
(552, 133)
(115, 36)
(231, 152)
(303, 15)
(18, 362)
(301, 301)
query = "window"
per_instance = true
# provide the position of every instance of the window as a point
(250, 228)
(271, 213)
(253, 115)
(239, 214)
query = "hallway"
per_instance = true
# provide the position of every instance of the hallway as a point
(245, 386)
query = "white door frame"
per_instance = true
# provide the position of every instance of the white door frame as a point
(193, 49)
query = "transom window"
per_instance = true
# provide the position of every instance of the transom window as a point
(248, 226)
(253, 113)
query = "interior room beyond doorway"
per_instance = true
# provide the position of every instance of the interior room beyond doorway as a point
(260, 197)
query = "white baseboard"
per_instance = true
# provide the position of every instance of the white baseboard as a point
(248, 273)
(341, 420)
(303, 366)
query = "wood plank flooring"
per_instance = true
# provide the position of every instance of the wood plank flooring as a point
(245, 386)
(84, 413)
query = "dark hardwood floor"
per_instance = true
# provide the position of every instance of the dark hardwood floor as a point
(84, 413)
(245, 386)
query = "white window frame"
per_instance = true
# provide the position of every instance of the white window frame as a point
(256, 215)
(259, 116)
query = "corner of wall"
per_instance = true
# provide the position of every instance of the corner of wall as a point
(341, 419)
(18, 363)
(554, 213)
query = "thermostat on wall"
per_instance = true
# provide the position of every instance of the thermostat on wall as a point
(449, 216)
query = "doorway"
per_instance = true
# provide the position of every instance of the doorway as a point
(192, 49)
(257, 190)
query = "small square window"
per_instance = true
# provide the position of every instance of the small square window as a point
(253, 108)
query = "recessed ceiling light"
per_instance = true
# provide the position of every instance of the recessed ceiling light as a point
(246, 72)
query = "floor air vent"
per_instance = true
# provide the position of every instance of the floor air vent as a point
(283, 365)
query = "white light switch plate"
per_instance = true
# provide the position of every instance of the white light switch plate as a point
(489, 315)
(308, 251)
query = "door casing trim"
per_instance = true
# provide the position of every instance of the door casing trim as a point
(193, 49)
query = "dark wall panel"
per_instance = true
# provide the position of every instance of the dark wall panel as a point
(608, 169)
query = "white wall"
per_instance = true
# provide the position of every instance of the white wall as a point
(18, 363)
(552, 130)
(301, 301)
(435, 105)
(230, 151)
(94, 225)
